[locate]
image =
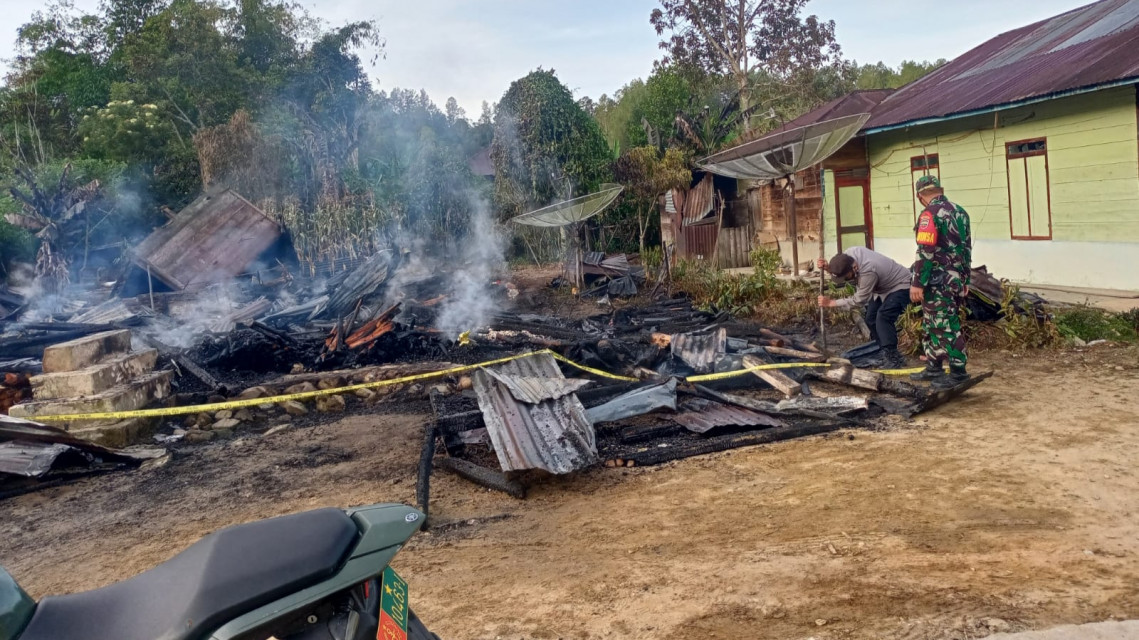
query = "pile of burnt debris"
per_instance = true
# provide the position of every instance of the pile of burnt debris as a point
(211, 334)
(644, 386)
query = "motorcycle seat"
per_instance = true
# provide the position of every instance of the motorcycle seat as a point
(224, 575)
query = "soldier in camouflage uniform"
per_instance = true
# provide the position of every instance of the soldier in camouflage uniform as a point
(941, 282)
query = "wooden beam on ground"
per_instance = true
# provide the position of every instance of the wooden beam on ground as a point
(197, 371)
(660, 455)
(935, 399)
(483, 476)
(794, 353)
(853, 377)
(781, 381)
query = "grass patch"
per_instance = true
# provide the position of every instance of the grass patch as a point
(1089, 323)
(760, 295)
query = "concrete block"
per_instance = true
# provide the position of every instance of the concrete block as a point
(84, 352)
(94, 379)
(118, 434)
(125, 397)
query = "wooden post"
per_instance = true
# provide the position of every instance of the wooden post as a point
(793, 227)
(150, 286)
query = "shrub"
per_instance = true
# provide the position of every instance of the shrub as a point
(1090, 323)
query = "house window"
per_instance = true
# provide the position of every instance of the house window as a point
(1029, 196)
(926, 164)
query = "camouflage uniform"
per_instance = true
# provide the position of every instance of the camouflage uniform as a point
(944, 260)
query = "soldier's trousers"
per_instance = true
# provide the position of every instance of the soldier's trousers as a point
(941, 320)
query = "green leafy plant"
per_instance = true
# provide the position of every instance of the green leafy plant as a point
(1089, 323)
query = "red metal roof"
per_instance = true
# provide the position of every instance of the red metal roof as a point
(1084, 48)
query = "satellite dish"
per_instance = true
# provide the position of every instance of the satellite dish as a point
(785, 152)
(571, 211)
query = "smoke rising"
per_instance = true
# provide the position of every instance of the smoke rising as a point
(470, 304)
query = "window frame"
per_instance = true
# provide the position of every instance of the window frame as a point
(1024, 155)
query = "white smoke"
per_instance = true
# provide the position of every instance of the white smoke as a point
(471, 303)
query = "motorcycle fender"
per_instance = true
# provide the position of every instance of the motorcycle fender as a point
(383, 531)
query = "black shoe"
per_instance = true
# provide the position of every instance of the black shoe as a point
(950, 380)
(893, 359)
(932, 371)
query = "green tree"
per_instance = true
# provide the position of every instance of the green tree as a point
(646, 173)
(546, 148)
(738, 38)
(880, 76)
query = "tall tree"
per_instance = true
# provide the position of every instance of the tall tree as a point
(741, 37)
(546, 147)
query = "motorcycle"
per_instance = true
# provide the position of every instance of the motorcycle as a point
(316, 575)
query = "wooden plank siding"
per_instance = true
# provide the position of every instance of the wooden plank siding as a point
(1092, 168)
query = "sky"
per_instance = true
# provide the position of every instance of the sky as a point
(473, 49)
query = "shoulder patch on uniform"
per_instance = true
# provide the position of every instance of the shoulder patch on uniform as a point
(927, 229)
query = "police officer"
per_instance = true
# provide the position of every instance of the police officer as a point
(882, 285)
(940, 282)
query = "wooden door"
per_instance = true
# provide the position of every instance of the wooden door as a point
(852, 209)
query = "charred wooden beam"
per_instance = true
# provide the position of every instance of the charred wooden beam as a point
(457, 423)
(423, 478)
(483, 476)
(196, 371)
(660, 455)
(935, 399)
(633, 435)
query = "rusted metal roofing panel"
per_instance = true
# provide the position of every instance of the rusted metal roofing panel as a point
(553, 435)
(698, 200)
(699, 241)
(700, 416)
(699, 350)
(1082, 49)
(853, 103)
(213, 239)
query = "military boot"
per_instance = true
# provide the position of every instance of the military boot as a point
(956, 376)
(893, 359)
(932, 371)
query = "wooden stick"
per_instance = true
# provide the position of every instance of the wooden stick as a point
(801, 355)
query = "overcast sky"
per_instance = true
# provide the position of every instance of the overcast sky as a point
(473, 49)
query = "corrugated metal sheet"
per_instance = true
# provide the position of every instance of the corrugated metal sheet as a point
(1086, 47)
(213, 239)
(699, 241)
(700, 416)
(855, 102)
(699, 350)
(635, 403)
(113, 310)
(537, 390)
(29, 459)
(553, 435)
(698, 201)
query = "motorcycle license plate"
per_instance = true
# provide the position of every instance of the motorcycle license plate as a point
(393, 607)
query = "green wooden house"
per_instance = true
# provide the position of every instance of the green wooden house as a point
(1035, 133)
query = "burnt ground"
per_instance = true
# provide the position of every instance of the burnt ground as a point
(1016, 507)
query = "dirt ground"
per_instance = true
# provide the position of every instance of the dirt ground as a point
(1016, 507)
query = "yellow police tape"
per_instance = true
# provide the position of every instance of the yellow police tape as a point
(308, 395)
